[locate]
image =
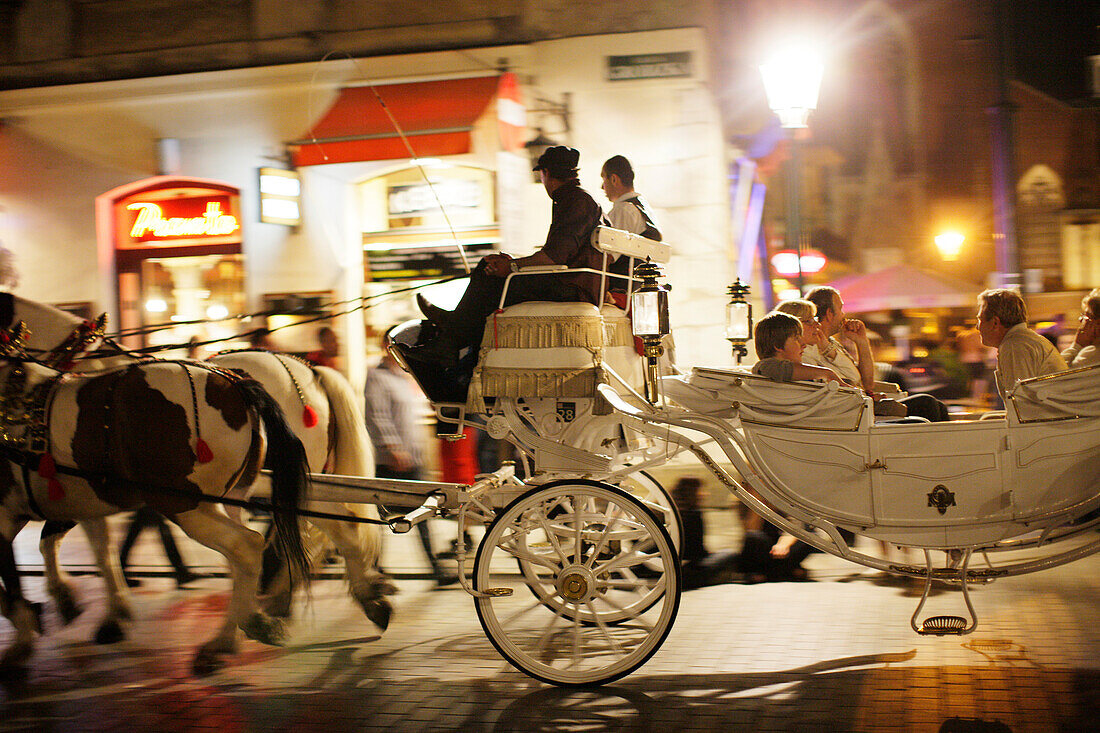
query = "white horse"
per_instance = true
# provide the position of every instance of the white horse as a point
(165, 434)
(322, 410)
(324, 413)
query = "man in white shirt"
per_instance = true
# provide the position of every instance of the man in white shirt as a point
(629, 211)
(828, 352)
(1021, 353)
(860, 371)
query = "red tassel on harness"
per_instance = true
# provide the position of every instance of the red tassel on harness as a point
(202, 452)
(47, 469)
(309, 416)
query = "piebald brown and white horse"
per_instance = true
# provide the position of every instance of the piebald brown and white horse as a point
(321, 408)
(160, 434)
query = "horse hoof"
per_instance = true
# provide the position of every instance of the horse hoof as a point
(379, 611)
(109, 632)
(14, 662)
(67, 607)
(264, 629)
(206, 662)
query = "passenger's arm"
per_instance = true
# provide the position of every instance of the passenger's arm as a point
(806, 372)
(856, 331)
(499, 265)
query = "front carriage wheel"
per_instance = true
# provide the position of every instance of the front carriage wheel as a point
(593, 618)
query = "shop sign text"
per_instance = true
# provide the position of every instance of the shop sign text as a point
(151, 221)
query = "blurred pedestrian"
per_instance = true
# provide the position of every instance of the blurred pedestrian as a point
(146, 517)
(393, 410)
(699, 566)
(329, 353)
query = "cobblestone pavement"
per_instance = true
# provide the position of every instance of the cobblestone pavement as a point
(835, 654)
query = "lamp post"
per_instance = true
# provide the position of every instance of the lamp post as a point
(739, 319)
(649, 311)
(792, 80)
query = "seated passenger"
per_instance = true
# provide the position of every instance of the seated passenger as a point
(1021, 353)
(861, 369)
(568, 242)
(778, 341)
(1083, 352)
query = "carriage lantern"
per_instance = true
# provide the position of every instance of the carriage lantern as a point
(739, 319)
(649, 311)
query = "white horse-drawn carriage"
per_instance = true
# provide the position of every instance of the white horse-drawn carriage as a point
(577, 578)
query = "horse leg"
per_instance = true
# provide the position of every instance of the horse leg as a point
(26, 617)
(58, 583)
(118, 601)
(276, 584)
(242, 549)
(359, 544)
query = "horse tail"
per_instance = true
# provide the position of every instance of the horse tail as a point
(286, 457)
(352, 452)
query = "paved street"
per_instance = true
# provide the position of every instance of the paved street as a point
(834, 654)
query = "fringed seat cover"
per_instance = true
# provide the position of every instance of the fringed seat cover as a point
(548, 349)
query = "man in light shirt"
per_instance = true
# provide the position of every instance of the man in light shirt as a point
(629, 211)
(860, 371)
(1021, 353)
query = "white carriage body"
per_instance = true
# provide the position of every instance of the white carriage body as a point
(819, 448)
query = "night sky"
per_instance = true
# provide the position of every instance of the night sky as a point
(1053, 39)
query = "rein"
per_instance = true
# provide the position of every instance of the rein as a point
(28, 461)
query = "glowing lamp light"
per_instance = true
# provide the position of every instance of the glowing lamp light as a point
(156, 305)
(216, 312)
(792, 80)
(950, 244)
(786, 262)
(649, 311)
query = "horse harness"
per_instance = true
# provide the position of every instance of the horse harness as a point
(24, 431)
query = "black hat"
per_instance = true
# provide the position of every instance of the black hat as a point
(559, 161)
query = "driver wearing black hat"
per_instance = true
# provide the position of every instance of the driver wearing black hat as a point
(568, 242)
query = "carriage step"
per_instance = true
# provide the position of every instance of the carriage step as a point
(943, 626)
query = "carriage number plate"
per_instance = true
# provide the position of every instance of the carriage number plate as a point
(567, 411)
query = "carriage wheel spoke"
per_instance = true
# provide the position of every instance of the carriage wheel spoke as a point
(514, 551)
(553, 537)
(602, 542)
(603, 630)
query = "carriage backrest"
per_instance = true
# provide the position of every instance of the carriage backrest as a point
(619, 242)
(755, 399)
(1068, 394)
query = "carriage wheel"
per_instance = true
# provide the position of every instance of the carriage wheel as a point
(652, 495)
(583, 545)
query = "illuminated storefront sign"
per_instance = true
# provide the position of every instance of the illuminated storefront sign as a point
(151, 220)
(419, 198)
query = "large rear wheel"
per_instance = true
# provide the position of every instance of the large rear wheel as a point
(598, 587)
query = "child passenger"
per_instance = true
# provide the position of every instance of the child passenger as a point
(779, 346)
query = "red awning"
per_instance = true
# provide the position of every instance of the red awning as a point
(437, 117)
(901, 287)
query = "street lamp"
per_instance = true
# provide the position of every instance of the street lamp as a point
(949, 244)
(792, 80)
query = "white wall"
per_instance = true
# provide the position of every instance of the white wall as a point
(60, 147)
